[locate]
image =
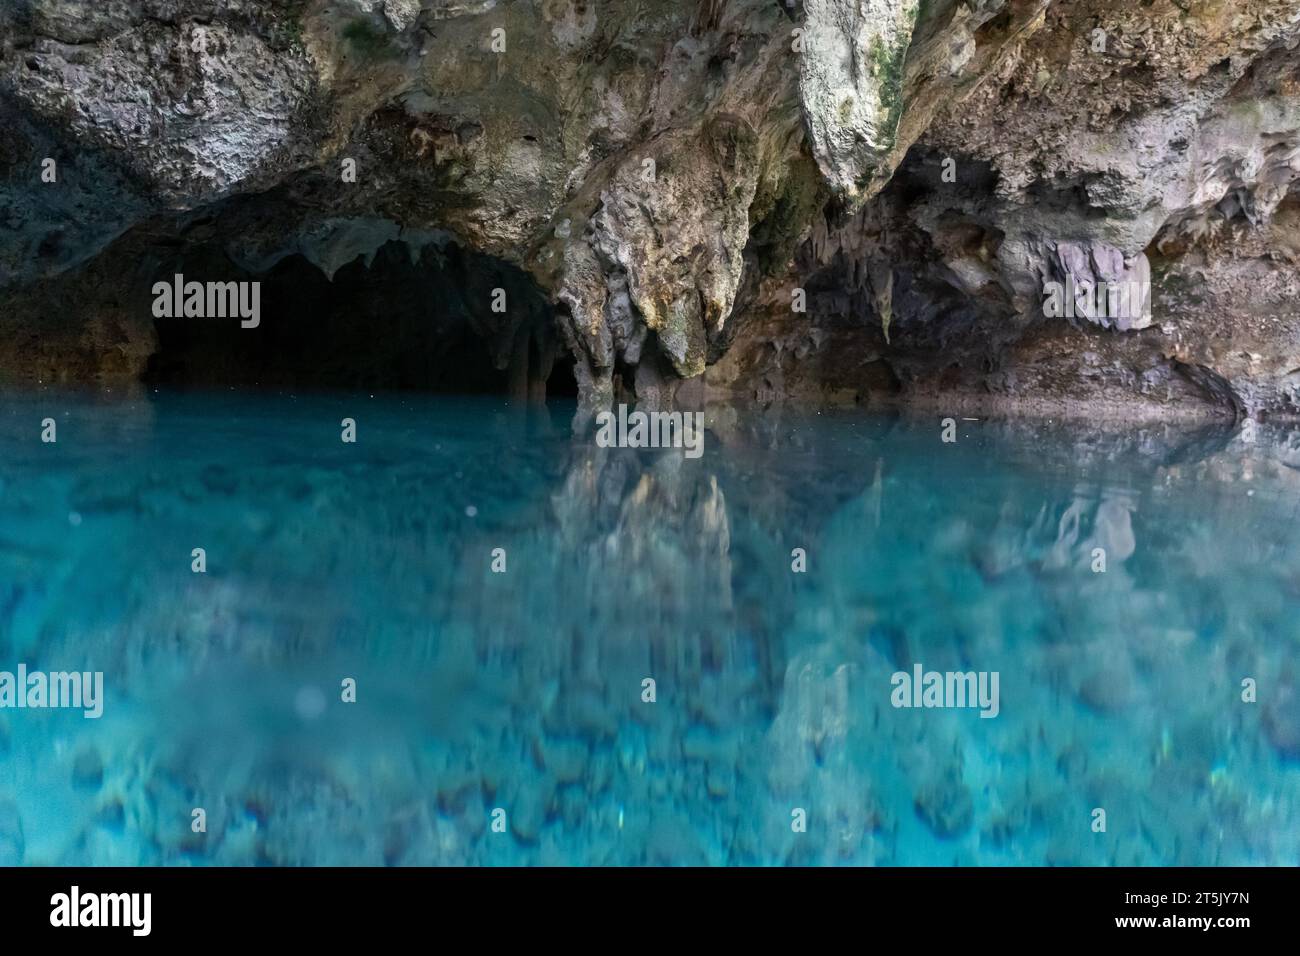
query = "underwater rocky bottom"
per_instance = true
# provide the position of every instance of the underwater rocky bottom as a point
(523, 690)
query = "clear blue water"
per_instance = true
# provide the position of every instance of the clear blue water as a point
(523, 690)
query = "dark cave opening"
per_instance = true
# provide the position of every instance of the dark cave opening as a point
(562, 381)
(435, 318)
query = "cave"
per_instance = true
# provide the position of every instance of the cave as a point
(531, 435)
(405, 317)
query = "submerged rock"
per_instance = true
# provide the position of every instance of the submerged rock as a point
(1281, 718)
(946, 807)
(12, 843)
(88, 770)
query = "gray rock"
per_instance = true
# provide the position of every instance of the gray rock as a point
(922, 185)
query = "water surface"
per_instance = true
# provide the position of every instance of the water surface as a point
(1119, 690)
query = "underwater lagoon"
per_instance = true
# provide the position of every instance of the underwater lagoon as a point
(524, 690)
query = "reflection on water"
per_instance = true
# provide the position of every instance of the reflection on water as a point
(523, 690)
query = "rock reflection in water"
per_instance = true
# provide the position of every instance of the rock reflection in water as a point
(525, 690)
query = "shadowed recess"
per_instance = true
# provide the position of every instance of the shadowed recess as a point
(436, 318)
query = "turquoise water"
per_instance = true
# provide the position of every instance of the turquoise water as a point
(1119, 690)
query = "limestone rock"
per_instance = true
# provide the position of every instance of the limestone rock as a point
(669, 173)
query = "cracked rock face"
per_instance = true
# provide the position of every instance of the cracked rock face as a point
(664, 256)
(195, 109)
(808, 200)
(850, 82)
(1102, 144)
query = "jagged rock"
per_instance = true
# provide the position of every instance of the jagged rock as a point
(919, 170)
(851, 82)
(669, 236)
(1103, 146)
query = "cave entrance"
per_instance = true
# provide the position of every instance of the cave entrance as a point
(434, 318)
(563, 380)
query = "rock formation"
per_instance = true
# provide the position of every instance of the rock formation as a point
(809, 200)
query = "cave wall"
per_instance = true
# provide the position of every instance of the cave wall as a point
(1153, 142)
(668, 173)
